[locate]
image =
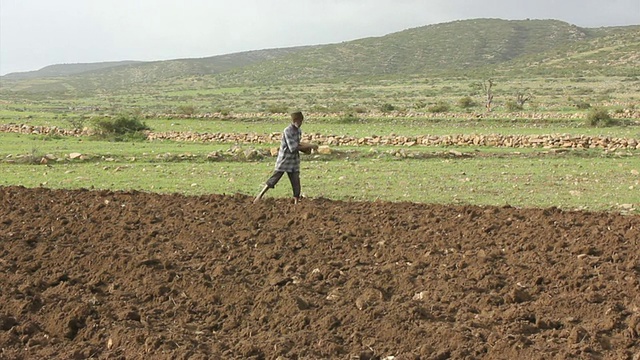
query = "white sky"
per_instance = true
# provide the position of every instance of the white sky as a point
(37, 33)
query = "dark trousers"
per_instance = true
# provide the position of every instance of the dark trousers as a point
(294, 178)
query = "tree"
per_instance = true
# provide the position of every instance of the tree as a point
(521, 99)
(487, 85)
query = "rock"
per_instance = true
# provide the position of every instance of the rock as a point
(251, 154)
(578, 334)
(334, 295)
(214, 155)
(324, 149)
(74, 155)
(301, 303)
(368, 298)
(422, 295)
(278, 280)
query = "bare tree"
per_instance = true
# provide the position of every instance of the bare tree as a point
(487, 85)
(521, 99)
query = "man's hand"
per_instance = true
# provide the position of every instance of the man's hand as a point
(307, 148)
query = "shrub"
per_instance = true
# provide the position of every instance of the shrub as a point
(187, 110)
(121, 128)
(513, 106)
(420, 105)
(582, 105)
(387, 108)
(439, 107)
(599, 117)
(77, 123)
(277, 109)
(466, 102)
(347, 119)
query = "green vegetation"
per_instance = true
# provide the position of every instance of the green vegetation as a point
(569, 181)
(121, 128)
(599, 117)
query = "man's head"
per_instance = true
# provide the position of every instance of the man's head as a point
(297, 118)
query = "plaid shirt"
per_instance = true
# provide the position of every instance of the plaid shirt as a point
(288, 156)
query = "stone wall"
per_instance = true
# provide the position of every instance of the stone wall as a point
(495, 140)
(492, 140)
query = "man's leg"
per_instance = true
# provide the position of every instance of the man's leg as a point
(270, 184)
(294, 177)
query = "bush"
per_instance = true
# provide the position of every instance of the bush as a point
(599, 117)
(187, 110)
(466, 102)
(420, 105)
(387, 108)
(513, 106)
(347, 119)
(121, 128)
(582, 105)
(77, 123)
(439, 107)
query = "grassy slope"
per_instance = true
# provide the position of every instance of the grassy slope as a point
(463, 48)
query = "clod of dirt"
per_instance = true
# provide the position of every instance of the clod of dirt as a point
(7, 322)
(368, 298)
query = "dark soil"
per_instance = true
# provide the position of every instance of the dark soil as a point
(131, 275)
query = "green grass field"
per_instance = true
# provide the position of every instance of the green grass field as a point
(580, 179)
(590, 180)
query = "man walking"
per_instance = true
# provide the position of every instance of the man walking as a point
(288, 160)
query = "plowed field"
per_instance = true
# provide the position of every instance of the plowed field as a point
(132, 275)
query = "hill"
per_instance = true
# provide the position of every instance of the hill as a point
(460, 48)
(62, 70)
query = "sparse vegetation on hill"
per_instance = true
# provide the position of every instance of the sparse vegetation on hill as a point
(471, 48)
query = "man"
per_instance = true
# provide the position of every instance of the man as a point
(288, 160)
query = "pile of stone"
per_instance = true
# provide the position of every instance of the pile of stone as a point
(492, 140)
(43, 130)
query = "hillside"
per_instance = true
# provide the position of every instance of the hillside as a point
(606, 51)
(61, 70)
(459, 48)
(443, 48)
(463, 48)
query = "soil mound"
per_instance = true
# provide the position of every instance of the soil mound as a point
(132, 275)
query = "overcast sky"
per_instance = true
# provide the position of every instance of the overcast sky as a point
(37, 33)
